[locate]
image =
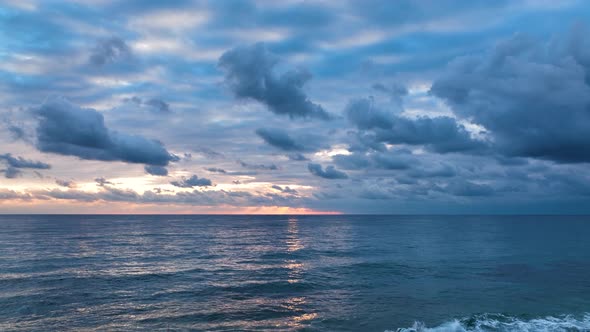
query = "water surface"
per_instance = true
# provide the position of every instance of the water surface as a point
(312, 273)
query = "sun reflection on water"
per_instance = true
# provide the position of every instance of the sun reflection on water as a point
(296, 269)
(293, 240)
(294, 244)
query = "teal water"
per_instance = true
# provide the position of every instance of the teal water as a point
(298, 273)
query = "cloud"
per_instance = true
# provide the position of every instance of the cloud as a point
(249, 73)
(441, 134)
(208, 152)
(171, 93)
(329, 173)
(408, 167)
(156, 170)
(568, 183)
(20, 162)
(394, 161)
(511, 161)
(532, 96)
(192, 181)
(216, 170)
(14, 164)
(249, 173)
(362, 113)
(109, 51)
(374, 192)
(297, 157)
(396, 91)
(159, 105)
(270, 167)
(353, 161)
(285, 190)
(153, 104)
(11, 172)
(158, 196)
(65, 183)
(6, 194)
(67, 129)
(279, 139)
(16, 132)
(441, 170)
(468, 188)
(101, 182)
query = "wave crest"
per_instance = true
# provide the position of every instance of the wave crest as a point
(503, 323)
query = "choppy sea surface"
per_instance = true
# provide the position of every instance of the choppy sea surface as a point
(294, 273)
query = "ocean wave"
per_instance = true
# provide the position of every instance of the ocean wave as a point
(503, 323)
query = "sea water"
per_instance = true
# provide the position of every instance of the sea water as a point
(294, 273)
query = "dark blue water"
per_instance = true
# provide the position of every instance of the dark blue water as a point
(313, 273)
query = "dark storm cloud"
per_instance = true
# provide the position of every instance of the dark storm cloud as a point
(67, 129)
(192, 181)
(441, 134)
(533, 97)
(329, 173)
(156, 170)
(20, 162)
(249, 73)
(110, 50)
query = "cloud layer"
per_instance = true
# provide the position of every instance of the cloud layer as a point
(373, 107)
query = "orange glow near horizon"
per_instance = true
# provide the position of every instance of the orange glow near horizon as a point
(101, 207)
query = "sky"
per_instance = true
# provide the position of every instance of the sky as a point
(364, 107)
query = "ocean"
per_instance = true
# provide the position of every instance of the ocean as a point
(294, 273)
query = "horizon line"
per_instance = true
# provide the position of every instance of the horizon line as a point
(296, 214)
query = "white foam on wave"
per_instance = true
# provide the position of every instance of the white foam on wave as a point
(503, 323)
